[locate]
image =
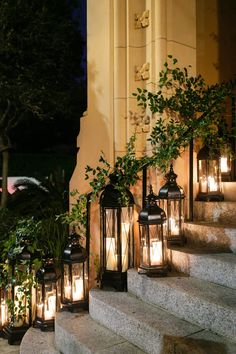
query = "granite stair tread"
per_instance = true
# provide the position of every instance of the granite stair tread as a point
(149, 327)
(219, 268)
(37, 342)
(79, 333)
(212, 235)
(209, 305)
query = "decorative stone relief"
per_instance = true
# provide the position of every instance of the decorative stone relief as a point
(140, 121)
(142, 20)
(142, 72)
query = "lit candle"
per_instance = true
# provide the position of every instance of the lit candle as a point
(78, 289)
(145, 254)
(212, 184)
(156, 253)
(110, 253)
(50, 307)
(224, 164)
(203, 184)
(174, 228)
(67, 291)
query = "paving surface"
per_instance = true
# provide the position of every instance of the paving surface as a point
(5, 348)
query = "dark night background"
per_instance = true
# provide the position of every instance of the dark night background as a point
(41, 147)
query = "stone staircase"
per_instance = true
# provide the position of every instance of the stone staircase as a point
(192, 310)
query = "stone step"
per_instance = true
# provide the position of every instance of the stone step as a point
(219, 268)
(37, 342)
(153, 329)
(215, 211)
(209, 305)
(79, 333)
(217, 236)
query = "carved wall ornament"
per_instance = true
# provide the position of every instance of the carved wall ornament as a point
(142, 20)
(140, 120)
(142, 72)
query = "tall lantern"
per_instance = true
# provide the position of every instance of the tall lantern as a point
(19, 296)
(117, 237)
(209, 175)
(171, 198)
(47, 299)
(75, 270)
(152, 245)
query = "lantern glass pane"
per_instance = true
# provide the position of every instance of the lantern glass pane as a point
(50, 301)
(111, 239)
(151, 244)
(39, 301)
(20, 306)
(77, 282)
(213, 179)
(174, 217)
(126, 225)
(3, 309)
(67, 282)
(202, 176)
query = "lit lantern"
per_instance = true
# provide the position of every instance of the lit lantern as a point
(171, 198)
(74, 286)
(47, 299)
(117, 237)
(209, 175)
(19, 314)
(152, 245)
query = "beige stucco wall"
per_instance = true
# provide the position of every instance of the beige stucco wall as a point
(116, 48)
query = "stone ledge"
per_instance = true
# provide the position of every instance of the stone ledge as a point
(219, 237)
(211, 306)
(144, 325)
(37, 342)
(218, 268)
(78, 333)
(223, 212)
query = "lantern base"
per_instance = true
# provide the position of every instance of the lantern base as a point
(75, 306)
(45, 326)
(205, 197)
(13, 334)
(154, 271)
(176, 240)
(117, 280)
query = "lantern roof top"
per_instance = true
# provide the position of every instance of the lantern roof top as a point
(171, 190)
(152, 214)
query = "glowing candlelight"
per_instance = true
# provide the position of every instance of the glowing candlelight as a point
(224, 164)
(174, 227)
(110, 254)
(78, 289)
(50, 307)
(3, 313)
(203, 184)
(156, 253)
(212, 185)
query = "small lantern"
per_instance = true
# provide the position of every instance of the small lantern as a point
(171, 198)
(18, 296)
(209, 175)
(47, 302)
(117, 236)
(74, 276)
(152, 245)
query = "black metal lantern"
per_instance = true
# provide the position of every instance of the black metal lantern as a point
(75, 275)
(47, 299)
(209, 175)
(19, 296)
(171, 198)
(152, 245)
(117, 237)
